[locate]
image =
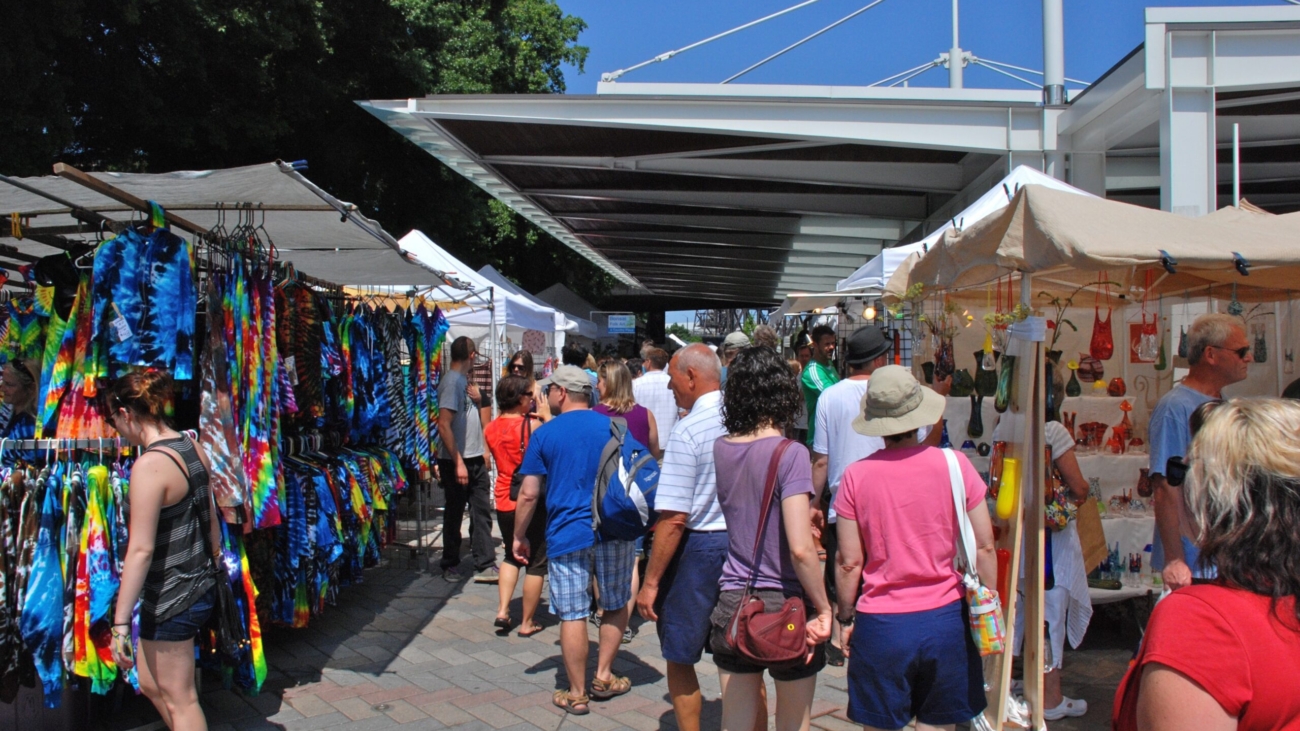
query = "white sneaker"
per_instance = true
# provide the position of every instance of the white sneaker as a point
(1070, 707)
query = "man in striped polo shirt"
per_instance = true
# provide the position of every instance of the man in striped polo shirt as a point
(690, 545)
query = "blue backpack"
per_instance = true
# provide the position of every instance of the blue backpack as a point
(623, 503)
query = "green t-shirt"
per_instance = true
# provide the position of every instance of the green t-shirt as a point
(816, 379)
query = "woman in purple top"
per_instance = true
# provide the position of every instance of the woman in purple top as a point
(761, 397)
(616, 399)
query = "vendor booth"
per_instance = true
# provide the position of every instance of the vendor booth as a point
(566, 325)
(316, 405)
(1084, 302)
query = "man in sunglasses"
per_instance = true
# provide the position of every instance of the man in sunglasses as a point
(1218, 354)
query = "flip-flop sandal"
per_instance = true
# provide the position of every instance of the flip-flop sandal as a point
(530, 634)
(502, 624)
(603, 690)
(562, 699)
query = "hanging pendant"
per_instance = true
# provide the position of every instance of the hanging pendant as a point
(1235, 308)
(1261, 345)
(1182, 343)
(1161, 362)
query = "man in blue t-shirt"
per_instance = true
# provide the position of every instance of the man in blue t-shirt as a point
(1218, 354)
(566, 452)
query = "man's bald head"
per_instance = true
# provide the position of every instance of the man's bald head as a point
(693, 372)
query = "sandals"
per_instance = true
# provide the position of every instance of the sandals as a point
(502, 623)
(603, 690)
(570, 703)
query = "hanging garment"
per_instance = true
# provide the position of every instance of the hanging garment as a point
(166, 334)
(1102, 346)
(97, 584)
(42, 617)
(25, 337)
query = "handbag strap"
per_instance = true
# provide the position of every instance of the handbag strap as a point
(525, 432)
(965, 532)
(769, 492)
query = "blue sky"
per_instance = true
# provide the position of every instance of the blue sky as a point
(891, 37)
(887, 39)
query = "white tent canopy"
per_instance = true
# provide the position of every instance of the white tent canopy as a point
(563, 322)
(876, 273)
(508, 309)
(302, 220)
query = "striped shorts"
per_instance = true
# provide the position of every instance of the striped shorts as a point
(570, 577)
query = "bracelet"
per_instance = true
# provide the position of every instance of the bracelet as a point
(122, 624)
(846, 622)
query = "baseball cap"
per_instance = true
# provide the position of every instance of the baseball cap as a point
(569, 378)
(736, 339)
(866, 344)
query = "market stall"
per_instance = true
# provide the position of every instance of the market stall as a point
(1118, 283)
(317, 409)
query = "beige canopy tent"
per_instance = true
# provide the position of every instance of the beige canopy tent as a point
(1067, 240)
(1054, 241)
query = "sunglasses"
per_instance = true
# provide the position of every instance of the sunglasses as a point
(1241, 352)
(518, 367)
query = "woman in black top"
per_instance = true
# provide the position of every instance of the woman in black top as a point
(171, 565)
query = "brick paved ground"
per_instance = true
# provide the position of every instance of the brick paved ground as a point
(409, 650)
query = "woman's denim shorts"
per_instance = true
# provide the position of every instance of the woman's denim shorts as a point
(185, 625)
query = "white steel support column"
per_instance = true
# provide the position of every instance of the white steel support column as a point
(1053, 53)
(1188, 143)
(1088, 172)
(956, 58)
(1188, 175)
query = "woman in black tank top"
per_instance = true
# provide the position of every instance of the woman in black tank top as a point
(171, 564)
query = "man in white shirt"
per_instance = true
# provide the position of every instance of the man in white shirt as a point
(681, 588)
(651, 391)
(836, 444)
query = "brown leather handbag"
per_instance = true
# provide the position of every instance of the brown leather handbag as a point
(771, 639)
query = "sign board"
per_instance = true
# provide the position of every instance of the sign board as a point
(622, 324)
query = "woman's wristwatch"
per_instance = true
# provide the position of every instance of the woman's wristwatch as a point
(846, 622)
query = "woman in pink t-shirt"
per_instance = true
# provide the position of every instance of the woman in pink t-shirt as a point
(1225, 655)
(911, 655)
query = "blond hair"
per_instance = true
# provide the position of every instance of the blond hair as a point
(1243, 488)
(618, 387)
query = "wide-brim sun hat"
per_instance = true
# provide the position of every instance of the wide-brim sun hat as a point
(896, 403)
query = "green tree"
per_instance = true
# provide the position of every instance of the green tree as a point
(159, 85)
(682, 332)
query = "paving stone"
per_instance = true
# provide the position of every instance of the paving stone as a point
(447, 714)
(494, 715)
(310, 706)
(354, 708)
(403, 712)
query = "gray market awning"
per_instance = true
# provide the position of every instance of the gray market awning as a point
(322, 236)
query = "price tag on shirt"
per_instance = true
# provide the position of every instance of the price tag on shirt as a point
(120, 329)
(291, 365)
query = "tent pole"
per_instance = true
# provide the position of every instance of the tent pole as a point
(1033, 497)
(497, 357)
(68, 172)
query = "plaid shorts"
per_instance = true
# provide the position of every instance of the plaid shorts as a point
(570, 577)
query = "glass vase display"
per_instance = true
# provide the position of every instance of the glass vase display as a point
(975, 426)
(1055, 386)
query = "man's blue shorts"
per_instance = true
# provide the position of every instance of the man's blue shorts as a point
(688, 592)
(921, 665)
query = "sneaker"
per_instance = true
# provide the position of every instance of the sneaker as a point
(1069, 708)
(452, 574)
(629, 634)
(594, 618)
(489, 575)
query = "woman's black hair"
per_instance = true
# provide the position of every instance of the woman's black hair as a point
(511, 391)
(761, 392)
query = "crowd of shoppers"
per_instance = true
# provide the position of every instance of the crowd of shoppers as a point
(871, 485)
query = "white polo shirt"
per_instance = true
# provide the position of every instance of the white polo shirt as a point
(835, 437)
(651, 391)
(688, 482)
